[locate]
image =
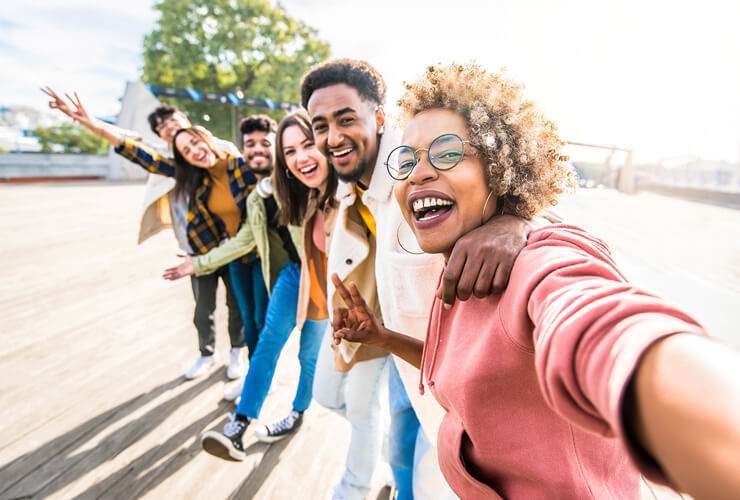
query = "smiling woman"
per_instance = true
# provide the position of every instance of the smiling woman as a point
(519, 148)
(572, 379)
(195, 153)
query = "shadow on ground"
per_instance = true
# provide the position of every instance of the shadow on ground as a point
(54, 465)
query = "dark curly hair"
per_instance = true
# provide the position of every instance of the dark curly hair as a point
(261, 123)
(160, 115)
(520, 147)
(357, 74)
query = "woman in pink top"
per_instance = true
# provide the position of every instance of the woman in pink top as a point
(551, 387)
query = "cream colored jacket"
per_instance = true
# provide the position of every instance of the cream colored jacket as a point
(405, 282)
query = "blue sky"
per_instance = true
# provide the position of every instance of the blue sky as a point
(662, 77)
(71, 45)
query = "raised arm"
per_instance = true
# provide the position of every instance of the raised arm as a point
(355, 323)
(122, 140)
(79, 114)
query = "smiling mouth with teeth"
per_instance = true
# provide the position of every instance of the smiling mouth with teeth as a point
(430, 207)
(309, 168)
(342, 152)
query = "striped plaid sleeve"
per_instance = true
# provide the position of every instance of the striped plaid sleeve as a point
(146, 157)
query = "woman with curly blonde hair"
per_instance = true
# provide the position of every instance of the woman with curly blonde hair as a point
(572, 379)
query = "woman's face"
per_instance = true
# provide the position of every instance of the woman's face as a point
(442, 206)
(195, 150)
(303, 158)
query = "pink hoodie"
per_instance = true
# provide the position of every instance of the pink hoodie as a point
(532, 380)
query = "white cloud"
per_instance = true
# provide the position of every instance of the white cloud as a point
(658, 76)
(72, 45)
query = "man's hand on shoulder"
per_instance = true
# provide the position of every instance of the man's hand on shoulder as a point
(481, 261)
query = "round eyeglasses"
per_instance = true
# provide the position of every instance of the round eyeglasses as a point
(443, 153)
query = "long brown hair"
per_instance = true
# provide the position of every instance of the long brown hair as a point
(292, 195)
(187, 176)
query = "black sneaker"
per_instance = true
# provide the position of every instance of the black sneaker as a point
(227, 444)
(280, 429)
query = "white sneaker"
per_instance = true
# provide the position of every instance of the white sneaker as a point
(233, 390)
(280, 429)
(236, 363)
(201, 366)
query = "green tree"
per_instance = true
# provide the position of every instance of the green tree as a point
(71, 139)
(250, 47)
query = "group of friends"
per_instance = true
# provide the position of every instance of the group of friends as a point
(421, 260)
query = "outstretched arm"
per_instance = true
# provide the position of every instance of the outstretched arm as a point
(230, 249)
(121, 140)
(683, 408)
(624, 363)
(355, 323)
(79, 114)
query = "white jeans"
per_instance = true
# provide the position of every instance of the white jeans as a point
(356, 395)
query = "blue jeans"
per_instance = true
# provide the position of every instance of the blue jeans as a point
(251, 295)
(279, 323)
(403, 434)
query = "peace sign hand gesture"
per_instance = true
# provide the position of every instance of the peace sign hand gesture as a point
(77, 113)
(355, 323)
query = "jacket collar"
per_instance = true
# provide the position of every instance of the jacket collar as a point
(381, 183)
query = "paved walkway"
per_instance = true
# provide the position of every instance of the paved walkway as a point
(92, 402)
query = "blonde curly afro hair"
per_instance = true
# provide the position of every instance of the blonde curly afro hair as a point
(520, 147)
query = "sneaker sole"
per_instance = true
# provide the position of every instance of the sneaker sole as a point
(220, 446)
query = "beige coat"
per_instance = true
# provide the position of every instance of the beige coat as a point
(352, 255)
(308, 248)
(156, 214)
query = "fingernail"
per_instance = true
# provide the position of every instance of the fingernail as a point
(447, 306)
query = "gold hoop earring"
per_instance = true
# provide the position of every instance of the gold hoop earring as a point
(483, 214)
(398, 239)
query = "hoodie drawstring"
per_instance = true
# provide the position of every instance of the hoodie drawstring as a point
(436, 316)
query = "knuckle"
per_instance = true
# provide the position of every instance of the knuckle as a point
(499, 284)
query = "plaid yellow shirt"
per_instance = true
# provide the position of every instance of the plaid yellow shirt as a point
(205, 230)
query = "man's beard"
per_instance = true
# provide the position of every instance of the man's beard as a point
(356, 174)
(265, 169)
(262, 169)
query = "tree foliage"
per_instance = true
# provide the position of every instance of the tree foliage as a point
(247, 46)
(69, 138)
